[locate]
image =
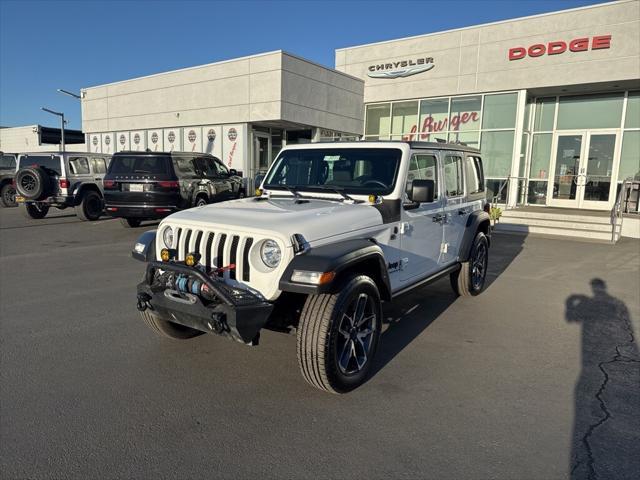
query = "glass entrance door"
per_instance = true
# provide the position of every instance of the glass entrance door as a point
(583, 167)
(261, 157)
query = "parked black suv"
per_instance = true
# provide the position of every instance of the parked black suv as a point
(151, 185)
(7, 172)
(61, 180)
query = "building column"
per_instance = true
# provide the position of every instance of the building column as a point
(512, 198)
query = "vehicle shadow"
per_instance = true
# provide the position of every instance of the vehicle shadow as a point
(410, 314)
(606, 428)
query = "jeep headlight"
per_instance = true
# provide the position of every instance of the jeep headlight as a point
(270, 253)
(167, 237)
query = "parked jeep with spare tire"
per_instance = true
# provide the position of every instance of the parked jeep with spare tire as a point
(61, 179)
(335, 230)
(7, 173)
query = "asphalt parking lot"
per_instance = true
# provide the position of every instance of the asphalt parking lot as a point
(537, 378)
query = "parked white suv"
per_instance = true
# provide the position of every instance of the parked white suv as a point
(336, 229)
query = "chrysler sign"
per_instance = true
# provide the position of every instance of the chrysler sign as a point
(401, 68)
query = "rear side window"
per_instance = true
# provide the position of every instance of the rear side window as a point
(51, 164)
(78, 165)
(98, 165)
(222, 169)
(474, 175)
(453, 175)
(147, 164)
(8, 161)
(185, 165)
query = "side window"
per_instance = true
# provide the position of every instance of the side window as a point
(474, 175)
(220, 168)
(8, 162)
(205, 167)
(185, 165)
(423, 167)
(98, 165)
(79, 165)
(453, 176)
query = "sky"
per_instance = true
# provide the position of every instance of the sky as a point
(46, 45)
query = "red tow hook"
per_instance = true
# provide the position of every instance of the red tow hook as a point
(231, 266)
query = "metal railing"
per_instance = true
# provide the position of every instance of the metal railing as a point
(628, 202)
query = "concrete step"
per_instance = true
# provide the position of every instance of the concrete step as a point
(604, 236)
(585, 218)
(556, 223)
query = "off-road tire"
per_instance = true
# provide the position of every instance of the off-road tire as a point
(462, 281)
(90, 207)
(168, 329)
(241, 193)
(33, 183)
(36, 212)
(130, 222)
(201, 201)
(318, 335)
(8, 196)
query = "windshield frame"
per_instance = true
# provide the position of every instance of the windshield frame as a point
(326, 189)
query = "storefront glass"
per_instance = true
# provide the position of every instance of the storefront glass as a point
(545, 111)
(632, 119)
(499, 111)
(630, 157)
(465, 113)
(590, 111)
(378, 120)
(405, 116)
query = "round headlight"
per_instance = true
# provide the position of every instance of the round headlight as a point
(270, 253)
(167, 237)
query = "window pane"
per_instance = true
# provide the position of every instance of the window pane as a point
(592, 111)
(473, 174)
(470, 138)
(523, 154)
(453, 175)
(465, 113)
(545, 111)
(540, 155)
(497, 152)
(378, 119)
(632, 120)
(434, 117)
(423, 167)
(405, 117)
(630, 157)
(537, 193)
(499, 111)
(527, 112)
(79, 165)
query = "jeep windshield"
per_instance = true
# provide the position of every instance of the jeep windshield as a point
(49, 163)
(356, 171)
(142, 164)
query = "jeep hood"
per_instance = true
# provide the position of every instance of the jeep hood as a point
(314, 219)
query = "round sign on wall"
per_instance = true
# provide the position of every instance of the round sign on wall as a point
(122, 140)
(211, 135)
(171, 137)
(154, 137)
(232, 134)
(107, 140)
(192, 136)
(95, 140)
(136, 138)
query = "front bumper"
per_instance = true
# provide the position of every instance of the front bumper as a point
(231, 311)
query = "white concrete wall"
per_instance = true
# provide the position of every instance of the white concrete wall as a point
(266, 87)
(24, 139)
(475, 59)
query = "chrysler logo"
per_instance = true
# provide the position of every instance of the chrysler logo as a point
(401, 68)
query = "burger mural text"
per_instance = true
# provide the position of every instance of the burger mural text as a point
(430, 125)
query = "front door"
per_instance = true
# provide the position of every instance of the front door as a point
(583, 167)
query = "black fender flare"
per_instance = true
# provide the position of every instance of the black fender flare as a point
(338, 257)
(477, 221)
(144, 249)
(79, 188)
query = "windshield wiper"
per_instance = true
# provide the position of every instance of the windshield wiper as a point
(339, 191)
(299, 198)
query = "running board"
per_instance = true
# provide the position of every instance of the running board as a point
(425, 281)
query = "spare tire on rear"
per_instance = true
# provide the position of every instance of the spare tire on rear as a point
(33, 183)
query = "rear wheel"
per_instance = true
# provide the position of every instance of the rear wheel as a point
(90, 207)
(201, 201)
(168, 329)
(36, 210)
(8, 195)
(130, 222)
(338, 336)
(470, 279)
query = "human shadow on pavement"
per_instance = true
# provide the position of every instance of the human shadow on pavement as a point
(606, 428)
(409, 315)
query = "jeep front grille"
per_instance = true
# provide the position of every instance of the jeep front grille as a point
(217, 249)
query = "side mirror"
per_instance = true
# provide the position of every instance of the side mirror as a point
(233, 171)
(422, 191)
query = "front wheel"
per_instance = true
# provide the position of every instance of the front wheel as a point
(470, 279)
(8, 196)
(36, 210)
(338, 335)
(168, 329)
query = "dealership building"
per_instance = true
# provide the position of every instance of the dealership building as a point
(552, 100)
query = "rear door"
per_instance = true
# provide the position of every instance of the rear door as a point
(455, 210)
(223, 179)
(421, 227)
(98, 169)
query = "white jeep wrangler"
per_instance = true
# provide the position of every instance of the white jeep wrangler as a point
(334, 230)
